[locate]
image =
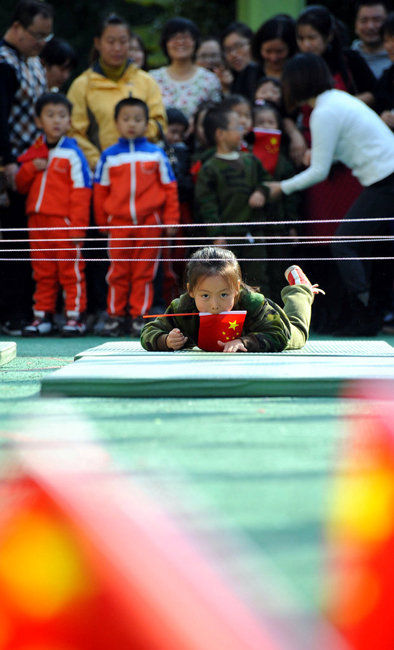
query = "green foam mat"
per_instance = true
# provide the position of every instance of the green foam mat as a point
(311, 348)
(225, 375)
(7, 352)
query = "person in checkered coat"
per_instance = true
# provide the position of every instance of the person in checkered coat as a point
(22, 81)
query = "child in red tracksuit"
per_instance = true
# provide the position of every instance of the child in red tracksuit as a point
(134, 185)
(56, 178)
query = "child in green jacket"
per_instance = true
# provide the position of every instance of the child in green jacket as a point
(214, 285)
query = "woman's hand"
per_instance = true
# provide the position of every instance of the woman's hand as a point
(256, 200)
(235, 345)
(175, 339)
(275, 190)
(388, 118)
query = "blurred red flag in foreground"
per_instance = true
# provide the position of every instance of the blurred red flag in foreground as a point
(360, 600)
(266, 147)
(224, 327)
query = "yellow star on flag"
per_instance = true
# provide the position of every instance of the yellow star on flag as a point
(232, 325)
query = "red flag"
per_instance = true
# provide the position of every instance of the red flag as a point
(226, 326)
(38, 150)
(266, 147)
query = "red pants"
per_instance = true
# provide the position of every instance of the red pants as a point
(55, 271)
(130, 279)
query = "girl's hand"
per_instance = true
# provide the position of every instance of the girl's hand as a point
(175, 339)
(257, 199)
(275, 190)
(297, 147)
(306, 158)
(233, 346)
(40, 164)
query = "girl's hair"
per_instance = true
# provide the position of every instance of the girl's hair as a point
(265, 80)
(237, 28)
(58, 52)
(320, 19)
(176, 26)
(107, 21)
(305, 76)
(388, 26)
(269, 106)
(228, 103)
(212, 260)
(280, 27)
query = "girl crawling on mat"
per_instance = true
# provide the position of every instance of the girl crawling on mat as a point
(214, 285)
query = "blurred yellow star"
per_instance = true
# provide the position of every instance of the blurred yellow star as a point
(232, 325)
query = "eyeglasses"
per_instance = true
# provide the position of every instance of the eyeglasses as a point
(181, 36)
(40, 38)
(237, 47)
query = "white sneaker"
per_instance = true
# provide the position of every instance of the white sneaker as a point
(41, 326)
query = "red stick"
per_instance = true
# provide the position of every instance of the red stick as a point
(196, 313)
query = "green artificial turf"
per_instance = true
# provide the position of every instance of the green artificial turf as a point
(264, 464)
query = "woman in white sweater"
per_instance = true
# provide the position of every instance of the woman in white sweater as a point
(343, 128)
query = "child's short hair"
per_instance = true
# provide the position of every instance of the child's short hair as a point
(52, 98)
(175, 116)
(268, 106)
(230, 101)
(131, 101)
(212, 260)
(215, 118)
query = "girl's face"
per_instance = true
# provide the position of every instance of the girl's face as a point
(181, 46)
(213, 294)
(244, 117)
(136, 53)
(268, 92)
(310, 40)
(113, 45)
(236, 50)
(388, 44)
(266, 119)
(275, 53)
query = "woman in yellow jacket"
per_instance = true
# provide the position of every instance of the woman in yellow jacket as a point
(111, 78)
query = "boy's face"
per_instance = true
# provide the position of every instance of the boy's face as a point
(131, 122)
(54, 121)
(175, 133)
(231, 136)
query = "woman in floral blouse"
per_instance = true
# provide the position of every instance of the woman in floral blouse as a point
(184, 84)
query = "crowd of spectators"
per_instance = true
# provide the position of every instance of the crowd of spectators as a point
(232, 82)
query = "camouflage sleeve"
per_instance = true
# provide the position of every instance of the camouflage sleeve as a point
(266, 329)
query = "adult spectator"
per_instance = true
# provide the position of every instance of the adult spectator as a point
(138, 53)
(59, 60)
(274, 43)
(384, 92)
(209, 53)
(329, 200)
(339, 124)
(370, 16)
(184, 84)
(22, 81)
(236, 44)
(112, 77)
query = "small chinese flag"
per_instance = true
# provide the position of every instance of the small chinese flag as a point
(38, 150)
(266, 147)
(224, 327)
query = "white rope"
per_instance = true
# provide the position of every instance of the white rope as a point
(291, 222)
(132, 248)
(187, 259)
(324, 239)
